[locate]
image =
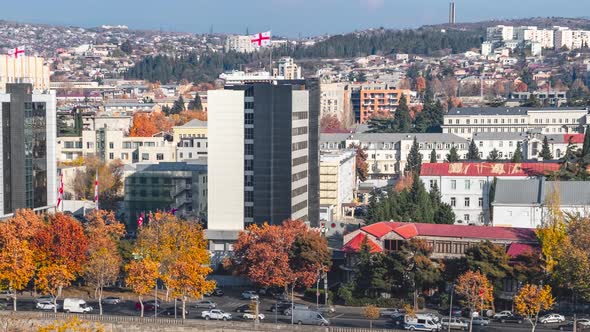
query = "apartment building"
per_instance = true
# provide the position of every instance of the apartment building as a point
(380, 102)
(337, 181)
(192, 129)
(287, 69)
(465, 122)
(240, 44)
(387, 153)
(24, 69)
(335, 101)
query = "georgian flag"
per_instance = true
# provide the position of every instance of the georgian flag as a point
(60, 192)
(261, 39)
(96, 191)
(16, 52)
(140, 220)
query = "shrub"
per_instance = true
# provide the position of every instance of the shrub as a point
(310, 295)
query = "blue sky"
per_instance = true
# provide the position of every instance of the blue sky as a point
(284, 17)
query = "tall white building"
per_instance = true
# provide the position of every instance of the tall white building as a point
(240, 44)
(287, 69)
(500, 33)
(24, 69)
(335, 101)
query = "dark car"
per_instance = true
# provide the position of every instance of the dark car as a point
(513, 319)
(243, 308)
(147, 306)
(170, 312)
(215, 292)
(280, 307)
(569, 326)
(397, 322)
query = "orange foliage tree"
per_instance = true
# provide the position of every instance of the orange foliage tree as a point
(280, 255)
(420, 84)
(477, 292)
(141, 277)
(531, 300)
(146, 125)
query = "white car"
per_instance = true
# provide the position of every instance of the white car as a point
(552, 318)
(250, 316)
(46, 305)
(111, 300)
(45, 298)
(454, 324)
(249, 295)
(6, 295)
(584, 323)
(502, 314)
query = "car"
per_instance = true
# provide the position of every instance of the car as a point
(513, 319)
(499, 315)
(481, 321)
(170, 312)
(6, 295)
(205, 304)
(296, 306)
(215, 292)
(148, 305)
(552, 318)
(397, 322)
(249, 295)
(390, 312)
(280, 306)
(584, 323)
(456, 312)
(76, 305)
(243, 308)
(45, 298)
(326, 309)
(216, 314)
(46, 305)
(251, 316)
(454, 323)
(111, 300)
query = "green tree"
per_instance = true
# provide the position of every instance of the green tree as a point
(433, 156)
(545, 151)
(370, 273)
(127, 47)
(517, 157)
(414, 159)
(196, 104)
(494, 155)
(452, 156)
(402, 118)
(178, 106)
(586, 146)
(491, 260)
(473, 153)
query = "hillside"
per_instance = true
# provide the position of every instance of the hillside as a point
(542, 22)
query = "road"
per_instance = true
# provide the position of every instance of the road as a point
(344, 316)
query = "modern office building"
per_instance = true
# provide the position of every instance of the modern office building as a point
(263, 156)
(29, 69)
(27, 144)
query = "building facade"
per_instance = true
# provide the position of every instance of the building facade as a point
(287, 69)
(240, 44)
(28, 136)
(337, 181)
(380, 102)
(24, 69)
(335, 101)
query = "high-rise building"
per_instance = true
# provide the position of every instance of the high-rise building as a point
(27, 144)
(452, 12)
(287, 69)
(24, 69)
(240, 44)
(263, 154)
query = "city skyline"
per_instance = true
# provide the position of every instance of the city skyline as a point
(282, 17)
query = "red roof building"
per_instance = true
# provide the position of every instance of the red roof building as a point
(488, 169)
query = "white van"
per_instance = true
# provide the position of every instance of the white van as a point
(76, 305)
(421, 323)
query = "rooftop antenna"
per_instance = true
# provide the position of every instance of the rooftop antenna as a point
(247, 32)
(211, 29)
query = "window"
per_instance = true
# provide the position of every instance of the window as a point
(466, 201)
(249, 118)
(159, 156)
(145, 156)
(249, 149)
(124, 156)
(249, 133)
(111, 156)
(481, 183)
(453, 184)
(480, 202)
(466, 217)
(249, 164)
(111, 145)
(467, 184)
(89, 145)
(126, 145)
(155, 180)
(432, 183)
(453, 201)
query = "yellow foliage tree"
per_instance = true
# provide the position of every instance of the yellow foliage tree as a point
(141, 277)
(52, 279)
(531, 300)
(553, 232)
(72, 324)
(371, 313)
(477, 292)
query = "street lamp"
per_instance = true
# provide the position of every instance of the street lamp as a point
(451, 307)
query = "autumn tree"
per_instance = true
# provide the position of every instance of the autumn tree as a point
(553, 232)
(491, 260)
(52, 279)
(17, 264)
(142, 275)
(476, 291)
(330, 122)
(104, 260)
(531, 300)
(362, 168)
(280, 255)
(420, 84)
(110, 178)
(371, 313)
(149, 124)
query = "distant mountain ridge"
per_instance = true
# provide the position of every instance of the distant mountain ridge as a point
(542, 22)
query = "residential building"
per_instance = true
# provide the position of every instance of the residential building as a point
(167, 186)
(551, 97)
(557, 144)
(287, 69)
(387, 153)
(24, 69)
(191, 148)
(129, 107)
(500, 33)
(337, 181)
(240, 44)
(27, 143)
(194, 128)
(261, 173)
(504, 143)
(487, 48)
(335, 101)
(465, 122)
(380, 102)
(465, 186)
(524, 203)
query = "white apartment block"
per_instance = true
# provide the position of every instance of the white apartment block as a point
(24, 69)
(337, 181)
(571, 39)
(335, 101)
(240, 44)
(287, 69)
(387, 153)
(504, 143)
(465, 122)
(500, 33)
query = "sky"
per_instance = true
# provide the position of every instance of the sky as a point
(284, 17)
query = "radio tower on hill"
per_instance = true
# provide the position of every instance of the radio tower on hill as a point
(452, 12)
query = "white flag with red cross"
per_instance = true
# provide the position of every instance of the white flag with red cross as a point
(60, 192)
(16, 52)
(261, 39)
(96, 191)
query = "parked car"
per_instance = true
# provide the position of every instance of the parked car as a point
(513, 319)
(170, 312)
(552, 318)
(421, 323)
(397, 322)
(584, 323)
(499, 315)
(326, 309)
(251, 316)
(111, 300)
(44, 298)
(454, 323)
(481, 321)
(296, 306)
(148, 305)
(456, 312)
(280, 306)
(216, 314)
(76, 305)
(249, 295)
(46, 305)
(215, 292)
(243, 308)
(205, 304)
(6, 295)
(391, 311)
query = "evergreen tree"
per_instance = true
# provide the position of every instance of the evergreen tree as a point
(166, 109)
(545, 151)
(402, 118)
(414, 159)
(196, 104)
(494, 155)
(586, 146)
(473, 153)
(517, 157)
(444, 215)
(127, 47)
(178, 106)
(452, 156)
(433, 156)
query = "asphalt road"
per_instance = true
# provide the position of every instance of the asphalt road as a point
(344, 316)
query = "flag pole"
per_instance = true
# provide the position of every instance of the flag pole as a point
(270, 44)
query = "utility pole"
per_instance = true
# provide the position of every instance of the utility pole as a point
(451, 307)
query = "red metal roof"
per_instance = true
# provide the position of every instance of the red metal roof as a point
(378, 229)
(576, 138)
(354, 245)
(487, 169)
(517, 249)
